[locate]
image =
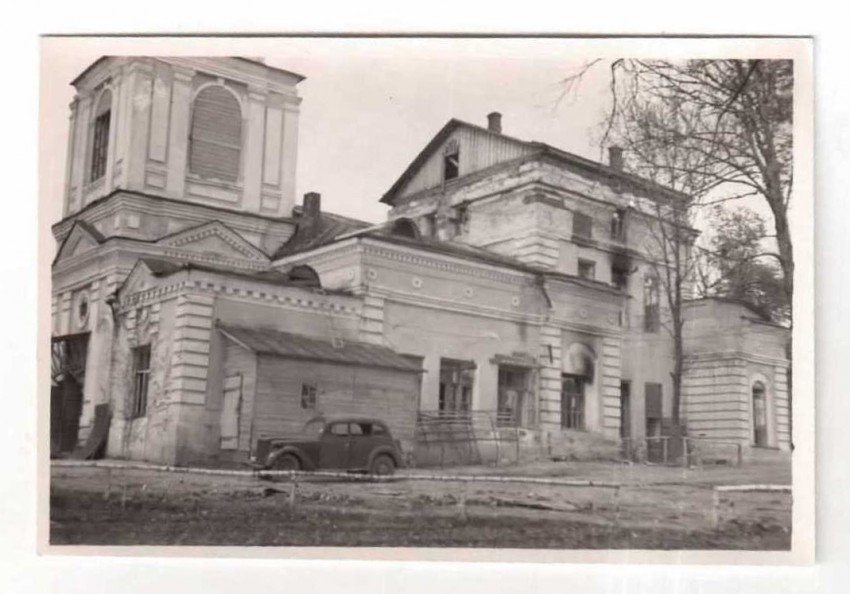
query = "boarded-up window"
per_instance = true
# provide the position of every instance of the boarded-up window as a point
(230, 412)
(215, 141)
(582, 225)
(652, 407)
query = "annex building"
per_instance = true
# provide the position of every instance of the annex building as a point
(511, 282)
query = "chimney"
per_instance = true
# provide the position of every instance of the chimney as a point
(615, 157)
(494, 122)
(311, 209)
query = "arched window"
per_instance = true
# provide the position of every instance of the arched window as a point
(100, 136)
(405, 228)
(305, 275)
(215, 141)
(759, 414)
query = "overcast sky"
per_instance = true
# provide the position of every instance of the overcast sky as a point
(370, 105)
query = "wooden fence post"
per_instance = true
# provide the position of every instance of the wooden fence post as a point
(715, 509)
(461, 503)
(293, 487)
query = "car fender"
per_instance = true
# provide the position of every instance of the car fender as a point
(305, 462)
(388, 450)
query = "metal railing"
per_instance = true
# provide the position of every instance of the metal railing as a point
(682, 449)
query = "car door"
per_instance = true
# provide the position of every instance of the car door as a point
(362, 444)
(333, 451)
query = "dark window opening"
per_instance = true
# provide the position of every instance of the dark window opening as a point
(308, 397)
(100, 146)
(651, 304)
(405, 228)
(456, 381)
(141, 378)
(582, 225)
(587, 269)
(619, 278)
(513, 396)
(618, 225)
(625, 409)
(572, 401)
(759, 415)
(451, 165)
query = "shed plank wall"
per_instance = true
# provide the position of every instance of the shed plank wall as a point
(340, 389)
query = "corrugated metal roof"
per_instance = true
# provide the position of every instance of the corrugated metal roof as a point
(295, 346)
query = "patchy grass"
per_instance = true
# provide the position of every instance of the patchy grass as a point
(255, 518)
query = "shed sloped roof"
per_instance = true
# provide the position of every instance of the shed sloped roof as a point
(295, 346)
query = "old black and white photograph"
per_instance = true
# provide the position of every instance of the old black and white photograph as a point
(341, 293)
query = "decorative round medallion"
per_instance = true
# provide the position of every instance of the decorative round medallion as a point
(515, 301)
(467, 292)
(416, 282)
(372, 274)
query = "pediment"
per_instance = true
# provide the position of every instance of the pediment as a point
(139, 279)
(81, 239)
(214, 239)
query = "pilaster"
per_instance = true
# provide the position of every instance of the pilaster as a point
(550, 378)
(611, 377)
(255, 120)
(178, 139)
(187, 383)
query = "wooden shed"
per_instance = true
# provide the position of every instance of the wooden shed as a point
(274, 382)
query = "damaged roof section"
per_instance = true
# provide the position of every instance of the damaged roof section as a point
(266, 341)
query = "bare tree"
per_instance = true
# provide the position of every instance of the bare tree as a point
(714, 130)
(718, 130)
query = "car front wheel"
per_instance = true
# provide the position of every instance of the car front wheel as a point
(287, 462)
(382, 465)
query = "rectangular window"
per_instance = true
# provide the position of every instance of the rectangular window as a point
(587, 269)
(513, 396)
(619, 278)
(100, 144)
(618, 225)
(651, 304)
(308, 396)
(141, 377)
(582, 225)
(456, 381)
(451, 165)
(572, 401)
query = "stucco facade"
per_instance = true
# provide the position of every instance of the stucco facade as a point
(509, 275)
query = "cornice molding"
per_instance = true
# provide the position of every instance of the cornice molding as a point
(448, 263)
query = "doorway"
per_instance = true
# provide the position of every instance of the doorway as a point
(572, 401)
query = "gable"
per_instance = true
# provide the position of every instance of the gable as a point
(478, 149)
(81, 239)
(214, 239)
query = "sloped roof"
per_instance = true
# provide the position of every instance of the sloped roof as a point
(539, 148)
(164, 268)
(329, 227)
(267, 341)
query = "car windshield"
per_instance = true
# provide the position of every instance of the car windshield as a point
(313, 428)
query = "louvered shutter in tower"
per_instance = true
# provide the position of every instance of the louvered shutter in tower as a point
(216, 137)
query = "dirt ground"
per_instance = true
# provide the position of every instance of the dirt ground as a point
(656, 508)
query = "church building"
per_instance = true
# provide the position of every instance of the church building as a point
(204, 310)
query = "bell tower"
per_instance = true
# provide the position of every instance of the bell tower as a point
(217, 132)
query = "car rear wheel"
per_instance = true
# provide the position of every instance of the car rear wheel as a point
(382, 465)
(287, 462)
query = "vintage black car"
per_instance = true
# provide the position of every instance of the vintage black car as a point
(341, 443)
